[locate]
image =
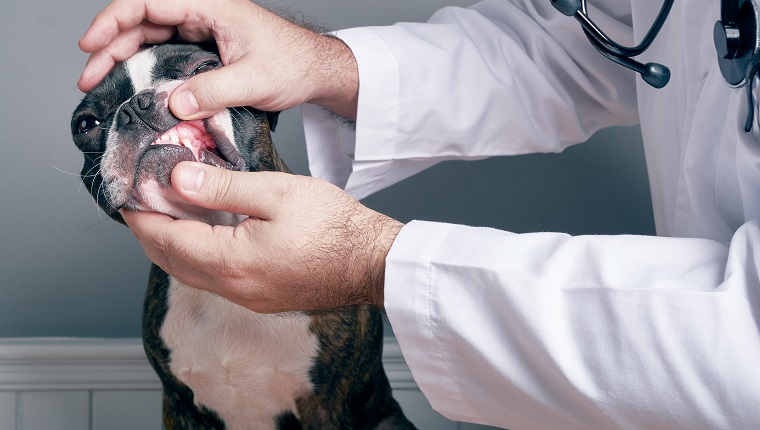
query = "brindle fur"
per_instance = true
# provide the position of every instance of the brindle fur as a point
(351, 390)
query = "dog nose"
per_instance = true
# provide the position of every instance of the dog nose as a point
(143, 103)
(144, 100)
(125, 117)
(140, 106)
(147, 109)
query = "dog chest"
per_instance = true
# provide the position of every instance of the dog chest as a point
(248, 368)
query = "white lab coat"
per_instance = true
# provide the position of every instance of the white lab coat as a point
(544, 330)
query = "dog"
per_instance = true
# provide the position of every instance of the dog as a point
(222, 366)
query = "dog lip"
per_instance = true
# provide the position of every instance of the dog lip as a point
(156, 160)
(225, 149)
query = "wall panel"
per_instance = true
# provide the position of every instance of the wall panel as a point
(53, 410)
(126, 410)
(107, 384)
(7, 411)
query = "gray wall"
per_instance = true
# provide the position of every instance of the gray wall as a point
(67, 270)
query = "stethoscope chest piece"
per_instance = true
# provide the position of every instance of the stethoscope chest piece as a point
(737, 44)
(736, 40)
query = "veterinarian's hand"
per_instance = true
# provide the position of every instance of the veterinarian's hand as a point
(306, 246)
(272, 64)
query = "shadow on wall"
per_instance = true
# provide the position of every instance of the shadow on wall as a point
(599, 187)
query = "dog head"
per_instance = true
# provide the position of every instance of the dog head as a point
(131, 141)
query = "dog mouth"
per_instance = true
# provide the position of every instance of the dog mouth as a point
(201, 139)
(140, 177)
(189, 134)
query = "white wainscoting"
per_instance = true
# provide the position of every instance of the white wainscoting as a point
(107, 384)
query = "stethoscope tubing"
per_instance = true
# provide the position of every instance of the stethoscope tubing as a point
(604, 41)
(658, 75)
(622, 60)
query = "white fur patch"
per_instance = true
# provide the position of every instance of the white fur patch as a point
(223, 120)
(140, 69)
(249, 368)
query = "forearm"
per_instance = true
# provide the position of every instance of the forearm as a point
(340, 76)
(552, 331)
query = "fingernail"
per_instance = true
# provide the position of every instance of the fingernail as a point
(191, 178)
(185, 103)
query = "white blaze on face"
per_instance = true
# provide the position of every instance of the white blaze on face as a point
(140, 69)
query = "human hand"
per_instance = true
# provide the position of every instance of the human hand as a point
(307, 245)
(271, 64)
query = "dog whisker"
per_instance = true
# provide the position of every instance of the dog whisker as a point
(97, 208)
(66, 172)
(71, 85)
(87, 173)
(236, 120)
(103, 190)
(102, 220)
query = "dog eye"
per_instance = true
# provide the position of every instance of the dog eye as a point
(86, 124)
(205, 67)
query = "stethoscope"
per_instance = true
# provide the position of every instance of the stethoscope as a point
(736, 37)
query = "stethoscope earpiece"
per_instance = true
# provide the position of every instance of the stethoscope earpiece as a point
(656, 75)
(567, 7)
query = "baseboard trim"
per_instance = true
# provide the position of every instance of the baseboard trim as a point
(53, 364)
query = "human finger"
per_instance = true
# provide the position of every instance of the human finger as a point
(122, 15)
(233, 85)
(124, 46)
(256, 194)
(191, 251)
(202, 256)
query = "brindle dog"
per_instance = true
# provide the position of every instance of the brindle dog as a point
(222, 366)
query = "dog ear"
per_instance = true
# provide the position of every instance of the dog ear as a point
(272, 118)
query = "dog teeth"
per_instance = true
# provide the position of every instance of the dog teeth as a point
(189, 134)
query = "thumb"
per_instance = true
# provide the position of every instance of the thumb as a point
(207, 93)
(255, 194)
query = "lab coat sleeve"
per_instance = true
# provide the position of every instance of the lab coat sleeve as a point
(549, 331)
(499, 78)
